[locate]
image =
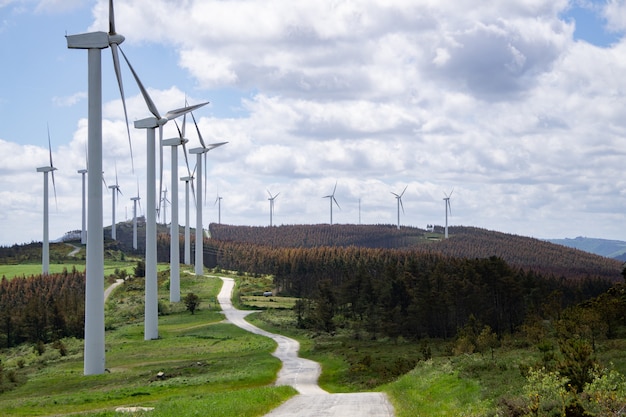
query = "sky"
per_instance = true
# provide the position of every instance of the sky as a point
(516, 107)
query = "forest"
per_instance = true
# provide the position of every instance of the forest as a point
(464, 242)
(408, 293)
(42, 308)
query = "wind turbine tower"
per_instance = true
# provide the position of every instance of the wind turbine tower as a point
(135, 200)
(399, 202)
(187, 250)
(115, 189)
(448, 208)
(83, 231)
(199, 258)
(331, 199)
(174, 241)
(45, 250)
(271, 199)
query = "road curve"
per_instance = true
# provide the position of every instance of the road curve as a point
(302, 374)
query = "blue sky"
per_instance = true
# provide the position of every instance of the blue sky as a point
(517, 106)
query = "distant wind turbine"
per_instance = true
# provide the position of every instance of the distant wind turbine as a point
(187, 251)
(135, 201)
(399, 202)
(115, 189)
(448, 208)
(45, 250)
(331, 198)
(271, 199)
(164, 202)
(199, 258)
(218, 202)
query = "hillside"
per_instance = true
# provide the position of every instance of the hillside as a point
(464, 242)
(603, 247)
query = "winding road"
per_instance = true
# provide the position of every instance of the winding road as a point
(302, 374)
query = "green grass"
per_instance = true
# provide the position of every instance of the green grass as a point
(436, 390)
(209, 367)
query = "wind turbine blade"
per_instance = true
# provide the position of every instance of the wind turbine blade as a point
(335, 200)
(402, 193)
(401, 205)
(143, 90)
(54, 187)
(186, 159)
(160, 161)
(276, 195)
(198, 131)
(270, 194)
(111, 18)
(172, 114)
(334, 189)
(118, 75)
(104, 181)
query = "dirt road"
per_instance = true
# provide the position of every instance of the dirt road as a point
(302, 374)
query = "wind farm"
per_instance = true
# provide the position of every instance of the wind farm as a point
(492, 107)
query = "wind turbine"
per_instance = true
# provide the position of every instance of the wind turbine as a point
(271, 199)
(218, 201)
(164, 202)
(45, 249)
(115, 189)
(94, 42)
(448, 208)
(135, 201)
(199, 267)
(174, 241)
(331, 198)
(188, 180)
(399, 201)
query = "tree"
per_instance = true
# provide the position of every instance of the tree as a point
(140, 269)
(192, 301)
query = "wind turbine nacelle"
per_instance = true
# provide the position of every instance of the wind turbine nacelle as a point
(147, 123)
(174, 141)
(92, 40)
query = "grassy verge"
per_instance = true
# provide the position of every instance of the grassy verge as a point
(198, 366)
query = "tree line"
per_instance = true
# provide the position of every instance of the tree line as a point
(42, 308)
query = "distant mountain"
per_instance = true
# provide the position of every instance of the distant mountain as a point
(603, 247)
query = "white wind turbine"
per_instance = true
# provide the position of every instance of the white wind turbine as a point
(115, 189)
(164, 202)
(94, 42)
(174, 240)
(45, 249)
(399, 202)
(199, 259)
(218, 201)
(135, 201)
(188, 180)
(331, 198)
(448, 208)
(271, 199)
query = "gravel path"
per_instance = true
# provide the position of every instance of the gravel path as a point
(302, 374)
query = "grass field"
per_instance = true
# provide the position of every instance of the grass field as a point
(198, 366)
